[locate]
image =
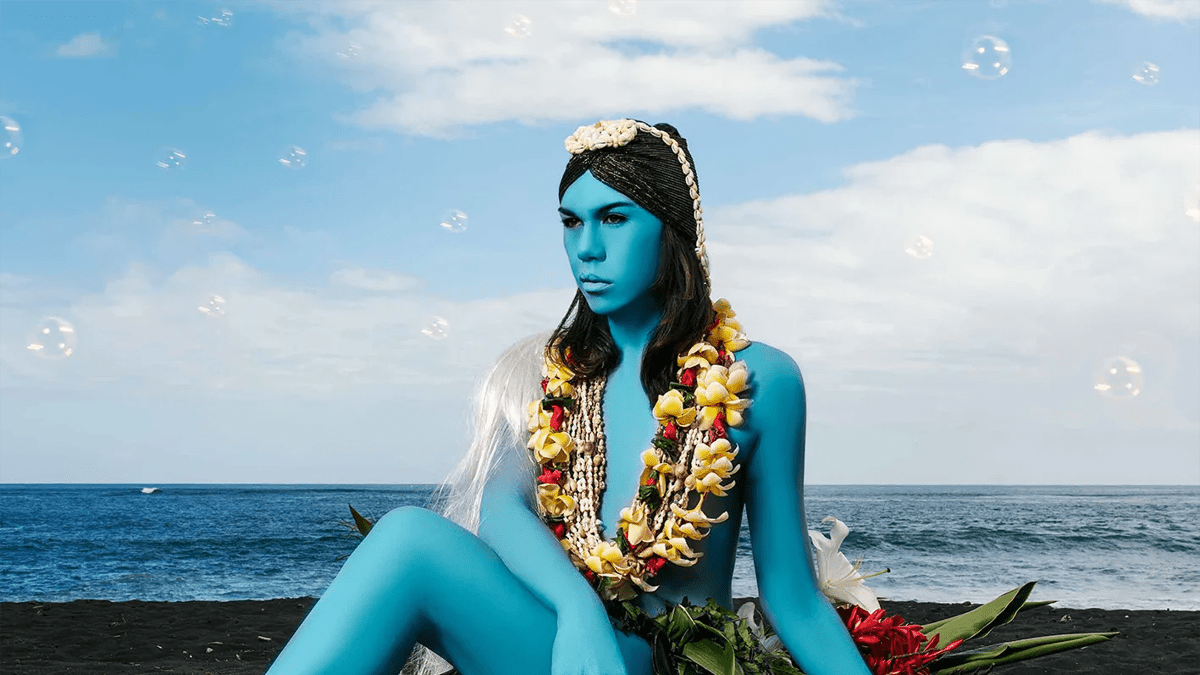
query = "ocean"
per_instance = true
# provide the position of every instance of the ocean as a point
(1130, 547)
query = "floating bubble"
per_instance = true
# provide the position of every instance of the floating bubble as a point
(1192, 207)
(224, 19)
(1145, 73)
(206, 221)
(293, 157)
(436, 328)
(454, 221)
(519, 26)
(622, 7)
(54, 338)
(213, 307)
(170, 159)
(350, 51)
(11, 141)
(1119, 377)
(987, 58)
(919, 246)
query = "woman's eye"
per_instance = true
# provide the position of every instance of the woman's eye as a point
(570, 222)
(614, 218)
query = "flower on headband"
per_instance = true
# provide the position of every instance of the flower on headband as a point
(604, 134)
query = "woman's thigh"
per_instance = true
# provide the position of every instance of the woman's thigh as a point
(476, 613)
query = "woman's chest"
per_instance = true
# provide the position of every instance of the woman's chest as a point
(629, 429)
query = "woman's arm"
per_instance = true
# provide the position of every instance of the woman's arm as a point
(585, 642)
(806, 622)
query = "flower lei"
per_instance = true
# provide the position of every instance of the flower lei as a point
(690, 454)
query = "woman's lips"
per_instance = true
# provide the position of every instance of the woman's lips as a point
(594, 285)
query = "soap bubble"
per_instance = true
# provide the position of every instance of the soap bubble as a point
(519, 26)
(170, 159)
(54, 338)
(987, 58)
(1192, 206)
(622, 7)
(213, 307)
(205, 222)
(919, 246)
(1119, 377)
(293, 157)
(10, 143)
(1145, 73)
(436, 328)
(454, 221)
(224, 19)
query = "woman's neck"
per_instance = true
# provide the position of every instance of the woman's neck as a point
(632, 326)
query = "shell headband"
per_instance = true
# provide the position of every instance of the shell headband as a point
(616, 133)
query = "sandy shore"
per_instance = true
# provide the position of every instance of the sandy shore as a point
(98, 637)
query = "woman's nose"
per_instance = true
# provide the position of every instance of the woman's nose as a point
(591, 244)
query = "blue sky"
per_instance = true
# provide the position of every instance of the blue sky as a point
(827, 136)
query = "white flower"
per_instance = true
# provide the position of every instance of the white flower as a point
(839, 580)
(770, 644)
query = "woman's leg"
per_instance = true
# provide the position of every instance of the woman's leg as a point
(419, 577)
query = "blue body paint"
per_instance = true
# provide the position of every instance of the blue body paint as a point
(508, 601)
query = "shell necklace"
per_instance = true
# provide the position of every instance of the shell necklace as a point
(689, 459)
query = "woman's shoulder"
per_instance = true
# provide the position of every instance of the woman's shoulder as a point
(772, 371)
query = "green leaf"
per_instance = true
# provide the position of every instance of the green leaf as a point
(680, 625)
(981, 620)
(363, 525)
(709, 656)
(1011, 652)
(1036, 603)
(662, 656)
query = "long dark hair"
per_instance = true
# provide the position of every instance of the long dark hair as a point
(647, 171)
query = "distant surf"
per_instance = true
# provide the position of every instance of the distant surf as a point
(1088, 546)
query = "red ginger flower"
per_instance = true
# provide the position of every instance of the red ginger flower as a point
(888, 645)
(654, 565)
(671, 431)
(718, 428)
(559, 529)
(688, 377)
(550, 477)
(556, 417)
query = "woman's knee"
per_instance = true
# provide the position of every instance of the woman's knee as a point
(415, 534)
(406, 518)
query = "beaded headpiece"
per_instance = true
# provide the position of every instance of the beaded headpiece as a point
(616, 133)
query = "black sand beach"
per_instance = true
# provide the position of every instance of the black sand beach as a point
(98, 637)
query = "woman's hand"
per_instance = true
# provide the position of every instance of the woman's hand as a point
(586, 645)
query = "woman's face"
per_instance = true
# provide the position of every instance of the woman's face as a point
(612, 243)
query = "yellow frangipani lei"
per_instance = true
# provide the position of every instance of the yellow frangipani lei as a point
(691, 459)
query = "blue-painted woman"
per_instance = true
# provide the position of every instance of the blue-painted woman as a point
(612, 461)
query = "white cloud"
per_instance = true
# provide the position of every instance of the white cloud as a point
(1047, 258)
(86, 46)
(971, 366)
(372, 280)
(443, 66)
(147, 329)
(1177, 10)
